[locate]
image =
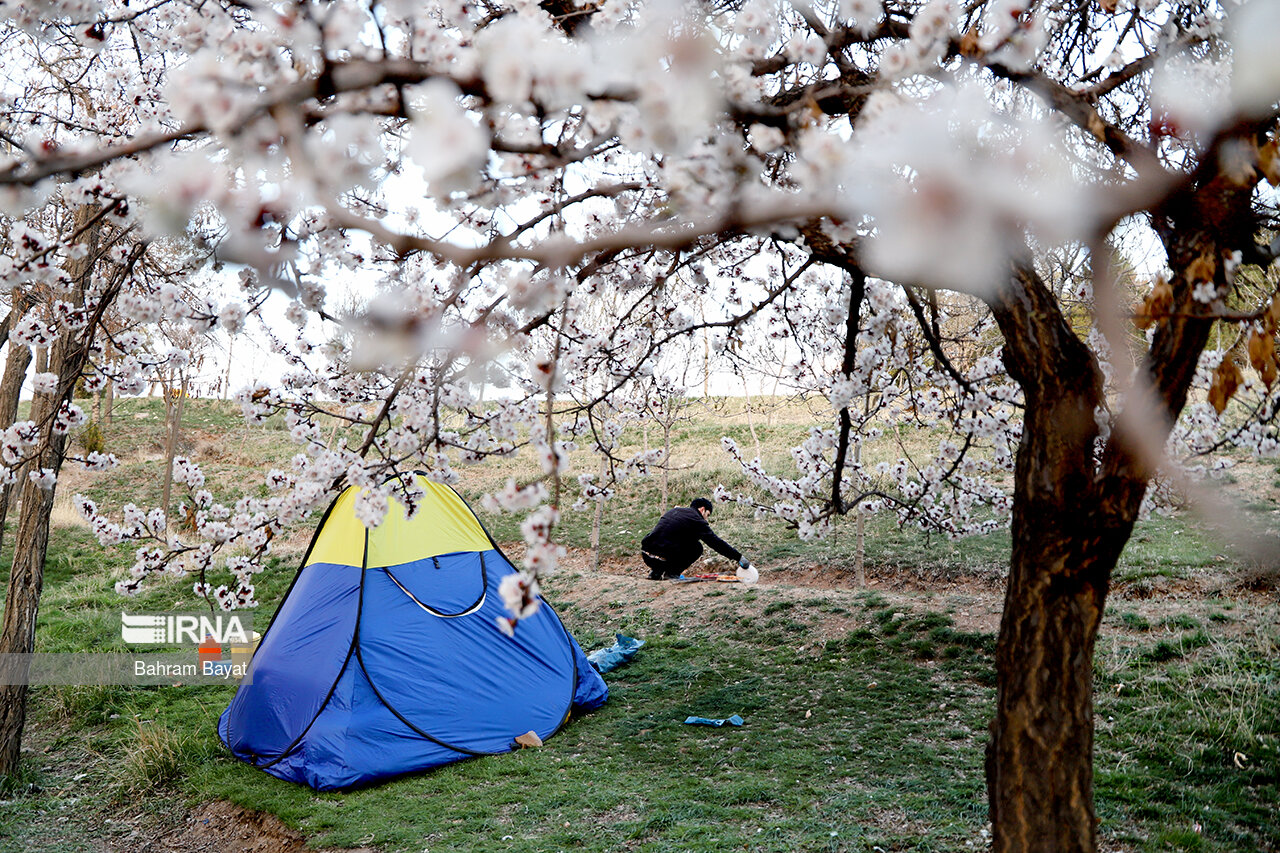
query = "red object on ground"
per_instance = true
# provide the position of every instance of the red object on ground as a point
(209, 650)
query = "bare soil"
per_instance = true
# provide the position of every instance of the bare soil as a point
(215, 827)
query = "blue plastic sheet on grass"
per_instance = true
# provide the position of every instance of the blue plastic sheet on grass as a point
(735, 720)
(605, 660)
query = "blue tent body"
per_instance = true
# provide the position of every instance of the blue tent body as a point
(385, 656)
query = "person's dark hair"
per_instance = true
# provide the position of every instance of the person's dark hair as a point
(701, 503)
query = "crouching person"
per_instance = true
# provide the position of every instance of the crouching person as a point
(675, 543)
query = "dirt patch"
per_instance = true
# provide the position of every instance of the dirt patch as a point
(221, 827)
(974, 603)
(620, 585)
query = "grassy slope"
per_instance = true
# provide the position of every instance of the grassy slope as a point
(865, 719)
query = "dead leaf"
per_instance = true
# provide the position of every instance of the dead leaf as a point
(1262, 355)
(1226, 381)
(1201, 269)
(528, 740)
(808, 714)
(1269, 371)
(1269, 161)
(1156, 306)
(1109, 6)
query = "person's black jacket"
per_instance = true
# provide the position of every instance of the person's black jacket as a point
(679, 535)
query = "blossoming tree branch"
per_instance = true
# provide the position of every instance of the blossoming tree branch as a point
(1019, 221)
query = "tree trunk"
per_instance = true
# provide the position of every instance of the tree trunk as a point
(26, 576)
(109, 401)
(226, 380)
(1040, 757)
(15, 373)
(751, 424)
(26, 580)
(173, 412)
(1073, 514)
(598, 521)
(666, 466)
(860, 532)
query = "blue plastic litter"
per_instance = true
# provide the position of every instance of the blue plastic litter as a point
(605, 660)
(735, 720)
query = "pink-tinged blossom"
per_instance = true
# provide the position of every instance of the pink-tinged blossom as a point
(187, 472)
(513, 498)
(1190, 96)
(231, 316)
(371, 507)
(68, 417)
(45, 478)
(978, 179)
(85, 506)
(863, 15)
(44, 383)
(278, 480)
(140, 307)
(31, 331)
(519, 594)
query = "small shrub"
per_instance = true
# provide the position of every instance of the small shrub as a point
(860, 638)
(873, 601)
(1198, 640)
(1167, 650)
(923, 649)
(1134, 621)
(92, 439)
(1162, 652)
(79, 707)
(152, 760)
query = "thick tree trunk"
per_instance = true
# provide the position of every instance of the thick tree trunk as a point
(1040, 756)
(26, 575)
(1073, 514)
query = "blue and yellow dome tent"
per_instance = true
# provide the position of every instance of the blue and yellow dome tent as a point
(385, 656)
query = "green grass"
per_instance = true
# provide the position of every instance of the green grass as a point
(835, 742)
(1194, 739)
(875, 735)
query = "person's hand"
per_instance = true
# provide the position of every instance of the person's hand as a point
(744, 562)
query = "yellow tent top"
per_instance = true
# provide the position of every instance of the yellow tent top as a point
(444, 524)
